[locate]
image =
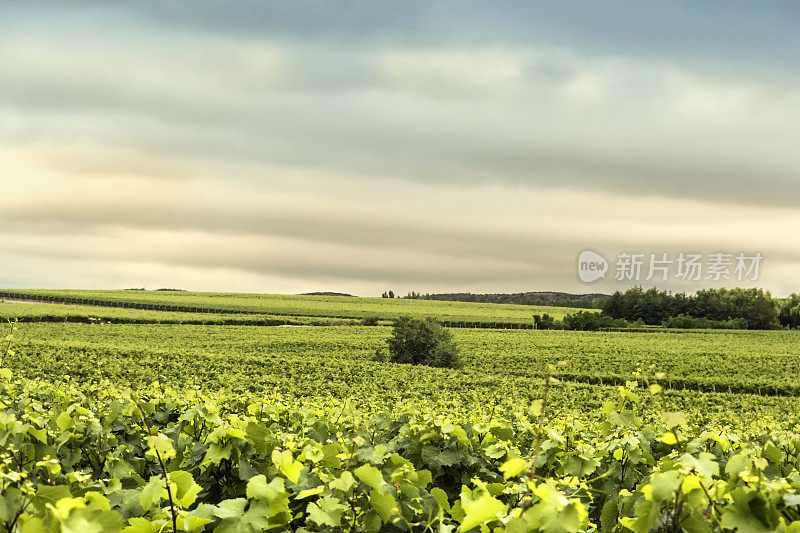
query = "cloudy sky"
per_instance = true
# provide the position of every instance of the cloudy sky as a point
(362, 146)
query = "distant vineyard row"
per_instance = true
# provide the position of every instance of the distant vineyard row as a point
(284, 310)
(129, 304)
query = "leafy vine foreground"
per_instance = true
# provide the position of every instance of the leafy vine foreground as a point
(96, 458)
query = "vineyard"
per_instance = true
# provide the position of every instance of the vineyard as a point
(339, 360)
(170, 425)
(88, 314)
(341, 307)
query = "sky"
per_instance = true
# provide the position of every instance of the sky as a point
(363, 146)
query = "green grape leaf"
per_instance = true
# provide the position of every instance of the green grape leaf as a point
(162, 444)
(216, 453)
(478, 512)
(369, 475)
(441, 498)
(64, 421)
(326, 512)
(287, 465)
(384, 504)
(230, 508)
(141, 525)
(259, 489)
(737, 464)
(152, 493)
(772, 453)
(608, 516)
(672, 420)
(344, 482)
(310, 492)
(664, 484)
(187, 489)
(512, 467)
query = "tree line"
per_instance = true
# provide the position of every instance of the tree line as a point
(733, 308)
(555, 299)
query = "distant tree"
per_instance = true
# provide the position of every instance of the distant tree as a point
(391, 294)
(614, 305)
(754, 306)
(544, 321)
(789, 315)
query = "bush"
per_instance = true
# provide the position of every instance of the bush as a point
(687, 322)
(544, 321)
(422, 342)
(590, 321)
(370, 320)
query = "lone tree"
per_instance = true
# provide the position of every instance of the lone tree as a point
(422, 342)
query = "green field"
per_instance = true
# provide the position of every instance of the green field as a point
(337, 361)
(269, 428)
(49, 312)
(319, 306)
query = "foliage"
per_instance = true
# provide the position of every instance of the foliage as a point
(422, 342)
(266, 445)
(104, 459)
(789, 314)
(558, 299)
(687, 322)
(580, 321)
(371, 320)
(754, 306)
(588, 321)
(545, 321)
